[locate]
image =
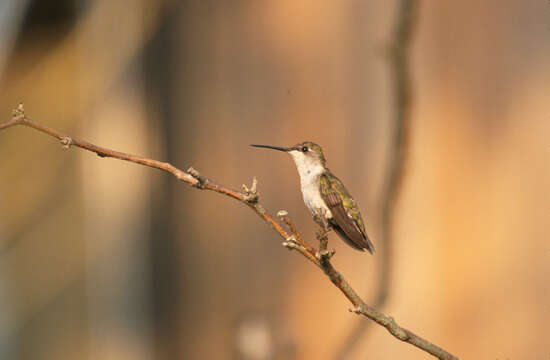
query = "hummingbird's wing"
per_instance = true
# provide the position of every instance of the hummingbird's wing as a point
(346, 218)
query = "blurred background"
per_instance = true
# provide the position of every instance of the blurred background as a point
(102, 259)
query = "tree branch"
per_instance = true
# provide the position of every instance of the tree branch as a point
(249, 197)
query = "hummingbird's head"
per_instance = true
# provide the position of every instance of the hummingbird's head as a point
(307, 155)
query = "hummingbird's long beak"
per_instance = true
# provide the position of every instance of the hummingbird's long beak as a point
(272, 147)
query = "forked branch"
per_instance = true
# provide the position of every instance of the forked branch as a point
(249, 197)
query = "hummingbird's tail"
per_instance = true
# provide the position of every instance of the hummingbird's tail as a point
(363, 243)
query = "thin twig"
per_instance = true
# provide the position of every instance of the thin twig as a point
(250, 198)
(295, 242)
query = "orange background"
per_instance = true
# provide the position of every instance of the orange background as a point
(108, 260)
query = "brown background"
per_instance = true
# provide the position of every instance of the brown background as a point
(102, 259)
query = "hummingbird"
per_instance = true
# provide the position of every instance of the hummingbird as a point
(325, 195)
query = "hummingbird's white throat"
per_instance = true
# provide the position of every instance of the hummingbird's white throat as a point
(310, 169)
(308, 165)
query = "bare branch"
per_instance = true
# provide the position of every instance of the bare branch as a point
(292, 239)
(295, 242)
(251, 195)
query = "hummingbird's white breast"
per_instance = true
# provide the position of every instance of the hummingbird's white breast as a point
(310, 172)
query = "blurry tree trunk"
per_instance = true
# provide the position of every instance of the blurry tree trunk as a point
(167, 286)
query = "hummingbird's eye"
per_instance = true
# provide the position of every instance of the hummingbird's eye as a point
(304, 149)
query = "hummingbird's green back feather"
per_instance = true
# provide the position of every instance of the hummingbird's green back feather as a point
(346, 218)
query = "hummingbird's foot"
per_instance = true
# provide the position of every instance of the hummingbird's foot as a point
(251, 194)
(322, 236)
(317, 218)
(323, 240)
(321, 219)
(322, 233)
